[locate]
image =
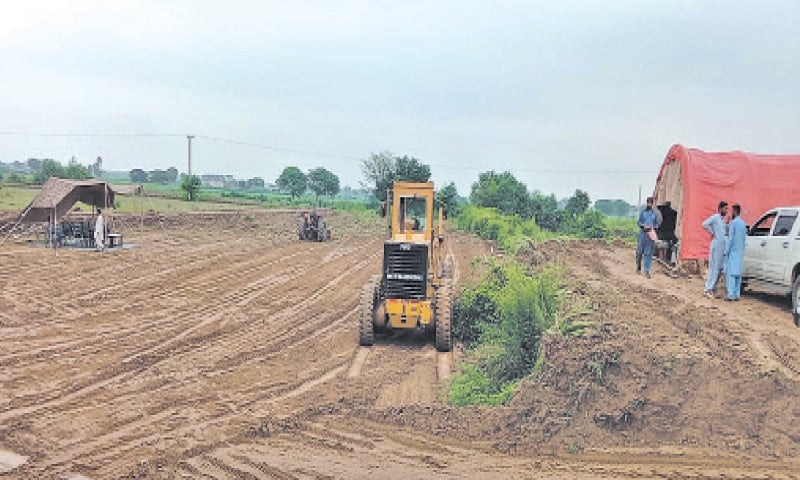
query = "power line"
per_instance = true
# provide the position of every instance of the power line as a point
(277, 149)
(27, 134)
(308, 153)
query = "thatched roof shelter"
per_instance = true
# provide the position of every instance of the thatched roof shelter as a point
(58, 195)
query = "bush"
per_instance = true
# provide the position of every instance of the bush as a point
(623, 228)
(511, 232)
(501, 321)
(590, 224)
(472, 387)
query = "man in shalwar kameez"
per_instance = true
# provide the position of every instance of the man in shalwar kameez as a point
(99, 232)
(715, 225)
(735, 255)
(648, 220)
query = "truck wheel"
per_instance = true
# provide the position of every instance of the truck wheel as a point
(366, 327)
(796, 301)
(444, 317)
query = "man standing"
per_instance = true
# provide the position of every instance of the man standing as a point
(99, 232)
(735, 253)
(715, 225)
(648, 220)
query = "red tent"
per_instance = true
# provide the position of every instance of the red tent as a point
(695, 181)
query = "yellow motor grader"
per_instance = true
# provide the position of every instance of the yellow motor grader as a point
(414, 291)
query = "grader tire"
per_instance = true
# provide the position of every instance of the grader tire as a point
(366, 327)
(444, 317)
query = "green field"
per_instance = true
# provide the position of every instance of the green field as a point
(16, 198)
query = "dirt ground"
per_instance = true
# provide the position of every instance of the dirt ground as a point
(220, 347)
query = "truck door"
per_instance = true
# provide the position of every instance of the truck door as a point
(755, 244)
(778, 251)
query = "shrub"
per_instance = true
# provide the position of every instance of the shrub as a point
(590, 224)
(511, 232)
(472, 387)
(501, 321)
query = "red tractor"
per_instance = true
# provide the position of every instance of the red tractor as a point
(311, 226)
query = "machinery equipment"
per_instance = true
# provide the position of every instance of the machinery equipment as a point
(311, 226)
(414, 291)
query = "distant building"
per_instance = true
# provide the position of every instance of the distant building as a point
(218, 181)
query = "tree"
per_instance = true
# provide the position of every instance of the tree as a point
(615, 208)
(382, 169)
(97, 167)
(138, 175)
(546, 211)
(293, 181)
(379, 170)
(323, 182)
(577, 204)
(76, 171)
(191, 185)
(49, 168)
(447, 198)
(503, 192)
(408, 169)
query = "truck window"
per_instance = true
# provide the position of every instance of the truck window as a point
(763, 227)
(784, 224)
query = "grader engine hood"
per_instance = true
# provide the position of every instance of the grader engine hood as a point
(405, 270)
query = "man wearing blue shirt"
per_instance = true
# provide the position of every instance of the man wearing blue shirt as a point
(735, 255)
(715, 225)
(648, 220)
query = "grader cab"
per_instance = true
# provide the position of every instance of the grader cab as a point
(414, 290)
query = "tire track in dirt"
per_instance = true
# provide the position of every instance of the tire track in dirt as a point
(140, 328)
(165, 349)
(296, 390)
(787, 351)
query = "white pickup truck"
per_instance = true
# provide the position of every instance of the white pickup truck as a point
(772, 255)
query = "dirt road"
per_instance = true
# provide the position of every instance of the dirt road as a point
(221, 347)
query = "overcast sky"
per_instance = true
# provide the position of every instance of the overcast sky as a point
(566, 94)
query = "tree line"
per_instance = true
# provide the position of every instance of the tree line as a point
(37, 171)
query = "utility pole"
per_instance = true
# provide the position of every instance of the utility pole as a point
(189, 138)
(638, 207)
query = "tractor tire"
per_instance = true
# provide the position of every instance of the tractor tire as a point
(366, 326)
(444, 317)
(322, 230)
(796, 301)
(301, 230)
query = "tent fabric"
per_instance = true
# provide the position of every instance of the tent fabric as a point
(59, 195)
(696, 181)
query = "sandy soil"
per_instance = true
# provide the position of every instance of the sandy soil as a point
(221, 347)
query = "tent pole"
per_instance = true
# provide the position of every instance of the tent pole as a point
(55, 223)
(21, 217)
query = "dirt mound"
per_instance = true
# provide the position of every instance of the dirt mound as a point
(658, 370)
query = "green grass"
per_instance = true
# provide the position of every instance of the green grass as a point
(622, 228)
(169, 198)
(509, 231)
(501, 321)
(16, 197)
